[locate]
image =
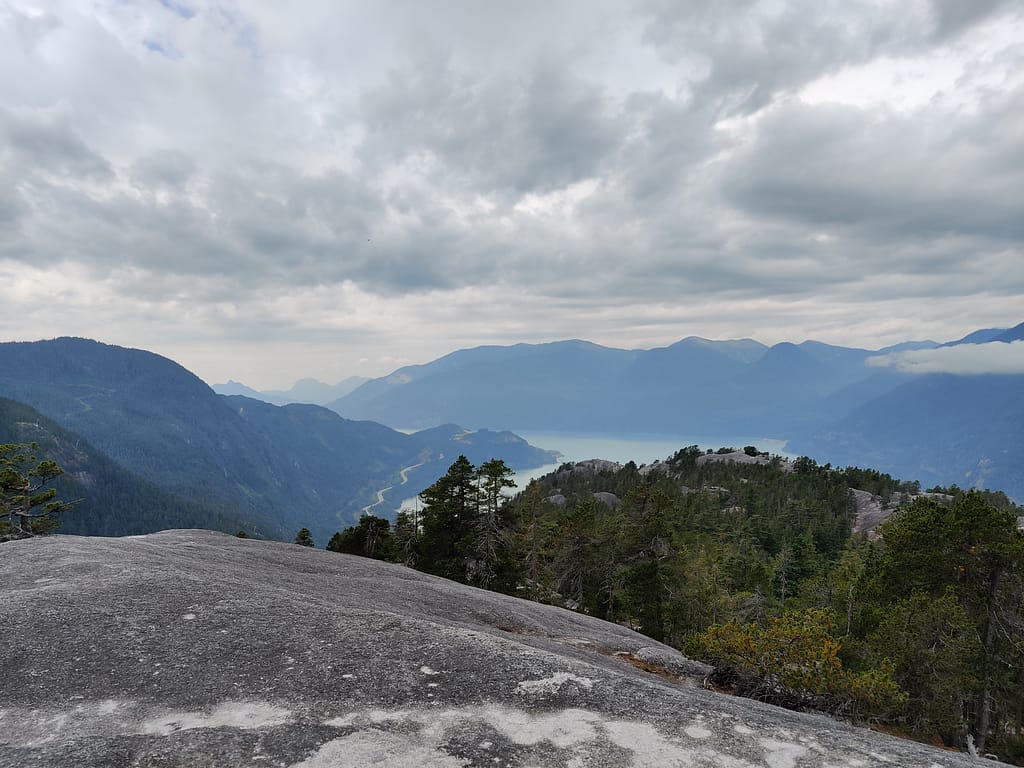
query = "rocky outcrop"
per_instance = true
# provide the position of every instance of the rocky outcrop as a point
(610, 500)
(873, 510)
(739, 457)
(658, 466)
(596, 466)
(190, 648)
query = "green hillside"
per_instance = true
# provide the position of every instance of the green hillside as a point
(111, 501)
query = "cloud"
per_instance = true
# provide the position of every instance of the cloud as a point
(41, 142)
(952, 17)
(405, 179)
(885, 175)
(741, 55)
(964, 359)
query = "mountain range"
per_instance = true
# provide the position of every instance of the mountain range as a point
(150, 425)
(834, 403)
(130, 425)
(694, 386)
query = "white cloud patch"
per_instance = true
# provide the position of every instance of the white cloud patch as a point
(964, 359)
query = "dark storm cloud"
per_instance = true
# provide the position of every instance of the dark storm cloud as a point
(740, 54)
(165, 168)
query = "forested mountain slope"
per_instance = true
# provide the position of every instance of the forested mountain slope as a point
(939, 428)
(148, 414)
(282, 467)
(112, 501)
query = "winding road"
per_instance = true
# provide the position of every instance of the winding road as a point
(404, 473)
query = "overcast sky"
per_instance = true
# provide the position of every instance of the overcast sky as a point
(265, 190)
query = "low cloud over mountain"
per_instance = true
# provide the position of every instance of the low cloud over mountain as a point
(965, 359)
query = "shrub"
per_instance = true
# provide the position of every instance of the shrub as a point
(793, 661)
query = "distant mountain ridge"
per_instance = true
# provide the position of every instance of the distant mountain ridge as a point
(1011, 334)
(692, 385)
(981, 336)
(822, 398)
(309, 391)
(277, 468)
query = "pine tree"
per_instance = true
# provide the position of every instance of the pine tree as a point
(450, 514)
(27, 506)
(491, 538)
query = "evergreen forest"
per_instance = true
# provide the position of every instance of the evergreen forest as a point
(915, 628)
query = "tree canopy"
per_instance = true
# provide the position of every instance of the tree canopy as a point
(756, 568)
(28, 507)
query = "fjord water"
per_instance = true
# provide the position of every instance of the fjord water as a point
(639, 448)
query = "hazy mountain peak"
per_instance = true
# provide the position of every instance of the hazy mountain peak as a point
(307, 390)
(232, 387)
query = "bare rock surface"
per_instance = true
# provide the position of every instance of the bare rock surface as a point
(658, 466)
(739, 457)
(608, 499)
(191, 648)
(872, 511)
(595, 466)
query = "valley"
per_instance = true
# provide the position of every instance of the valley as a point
(265, 469)
(712, 545)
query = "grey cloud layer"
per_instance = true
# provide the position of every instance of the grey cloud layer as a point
(592, 153)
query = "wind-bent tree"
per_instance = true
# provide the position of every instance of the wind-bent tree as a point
(27, 506)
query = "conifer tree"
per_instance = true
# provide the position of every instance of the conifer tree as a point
(450, 513)
(27, 506)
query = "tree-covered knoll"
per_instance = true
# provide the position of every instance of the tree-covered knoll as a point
(755, 568)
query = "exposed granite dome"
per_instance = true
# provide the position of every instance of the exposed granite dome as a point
(191, 648)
